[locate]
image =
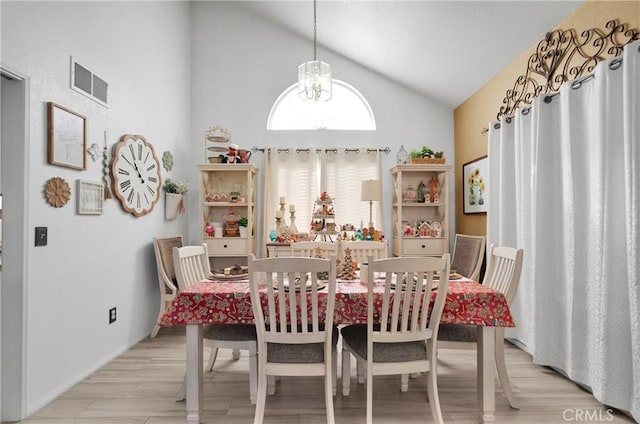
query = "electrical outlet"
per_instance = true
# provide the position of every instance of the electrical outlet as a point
(112, 315)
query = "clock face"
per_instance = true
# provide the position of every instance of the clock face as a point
(135, 170)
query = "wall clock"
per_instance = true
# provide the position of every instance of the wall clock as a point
(135, 171)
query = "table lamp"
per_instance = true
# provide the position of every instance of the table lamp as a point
(371, 190)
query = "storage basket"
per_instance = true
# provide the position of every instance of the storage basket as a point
(427, 160)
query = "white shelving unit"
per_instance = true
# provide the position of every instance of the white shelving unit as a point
(409, 175)
(224, 187)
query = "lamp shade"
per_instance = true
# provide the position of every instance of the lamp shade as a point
(371, 190)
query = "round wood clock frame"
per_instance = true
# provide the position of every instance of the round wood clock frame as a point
(135, 172)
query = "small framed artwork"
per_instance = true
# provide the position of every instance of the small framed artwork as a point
(475, 180)
(90, 197)
(66, 137)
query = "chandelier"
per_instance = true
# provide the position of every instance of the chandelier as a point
(314, 77)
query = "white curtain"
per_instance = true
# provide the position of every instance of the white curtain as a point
(301, 175)
(565, 180)
(344, 172)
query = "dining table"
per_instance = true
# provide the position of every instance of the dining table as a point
(228, 301)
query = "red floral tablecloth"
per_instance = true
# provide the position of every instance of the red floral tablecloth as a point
(467, 302)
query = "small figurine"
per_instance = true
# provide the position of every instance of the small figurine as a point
(273, 236)
(232, 155)
(209, 230)
(434, 188)
(424, 230)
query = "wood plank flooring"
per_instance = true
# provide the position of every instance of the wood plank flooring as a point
(139, 387)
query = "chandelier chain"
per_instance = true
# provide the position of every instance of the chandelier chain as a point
(314, 30)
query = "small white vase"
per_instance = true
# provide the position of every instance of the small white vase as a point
(173, 205)
(243, 232)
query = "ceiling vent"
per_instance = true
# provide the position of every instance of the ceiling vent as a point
(88, 83)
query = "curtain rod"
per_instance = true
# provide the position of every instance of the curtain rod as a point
(386, 150)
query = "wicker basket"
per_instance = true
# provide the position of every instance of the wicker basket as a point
(427, 160)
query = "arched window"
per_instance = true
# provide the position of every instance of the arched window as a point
(347, 110)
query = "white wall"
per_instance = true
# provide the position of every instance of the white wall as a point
(93, 263)
(241, 64)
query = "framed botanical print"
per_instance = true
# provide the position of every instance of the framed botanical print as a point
(475, 179)
(66, 137)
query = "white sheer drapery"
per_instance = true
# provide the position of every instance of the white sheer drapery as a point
(566, 188)
(301, 175)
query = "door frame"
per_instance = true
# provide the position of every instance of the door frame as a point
(14, 157)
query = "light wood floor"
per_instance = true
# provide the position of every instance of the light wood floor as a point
(140, 386)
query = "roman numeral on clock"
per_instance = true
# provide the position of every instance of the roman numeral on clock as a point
(125, 185)
(126, 160)
(130, 197)
(122, 171)
(153, 179)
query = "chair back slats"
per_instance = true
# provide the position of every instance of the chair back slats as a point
(191, 264)
(407, 293)
(503, 270)
(362, 249)
(314, 249)
(295, 312)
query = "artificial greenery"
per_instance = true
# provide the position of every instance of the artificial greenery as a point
(243, 222)
(177, 187)
(425, 152)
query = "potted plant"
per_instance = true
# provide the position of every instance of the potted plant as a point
(176, 187)
(243, 223)
(426, 155)
(174, 198)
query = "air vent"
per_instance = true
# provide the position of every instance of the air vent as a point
(88, 83)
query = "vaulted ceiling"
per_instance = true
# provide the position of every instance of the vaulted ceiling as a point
(446, 50)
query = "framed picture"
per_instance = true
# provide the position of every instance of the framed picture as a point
(90, 197)
(66, 137)
(475, 182)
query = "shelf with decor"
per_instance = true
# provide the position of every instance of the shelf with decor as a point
(228, 195)
(421, 209)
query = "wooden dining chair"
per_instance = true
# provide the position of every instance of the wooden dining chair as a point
(192, 266)
(362, 249)
(296, 335)
(503, 274)
(163, 249)
(403, 339)
(313, 249)
(468, 255)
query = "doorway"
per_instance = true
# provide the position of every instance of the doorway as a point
(13, 271)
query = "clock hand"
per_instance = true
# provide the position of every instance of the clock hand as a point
(138, 171)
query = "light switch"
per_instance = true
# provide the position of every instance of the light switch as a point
(41, 236)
